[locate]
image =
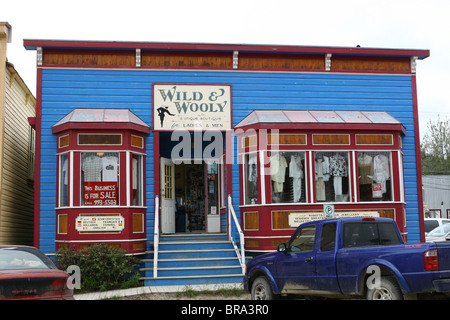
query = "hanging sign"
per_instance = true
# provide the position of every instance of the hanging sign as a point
(191, 107)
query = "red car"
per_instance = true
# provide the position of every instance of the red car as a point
(28, 274)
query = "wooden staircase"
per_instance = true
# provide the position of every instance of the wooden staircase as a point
(191, 259)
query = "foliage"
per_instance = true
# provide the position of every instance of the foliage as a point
(435, 148)
(224, 292)
(102, 267)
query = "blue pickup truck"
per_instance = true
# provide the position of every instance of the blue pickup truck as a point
(350, 257)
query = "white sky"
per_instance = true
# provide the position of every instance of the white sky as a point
(400, 24)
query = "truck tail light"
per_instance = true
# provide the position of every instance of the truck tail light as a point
(430, 260)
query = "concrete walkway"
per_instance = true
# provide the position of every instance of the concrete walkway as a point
(153, 289)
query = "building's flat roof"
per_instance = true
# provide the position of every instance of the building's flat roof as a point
(33, 44)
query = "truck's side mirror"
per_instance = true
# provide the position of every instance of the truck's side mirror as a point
(447, 237)
(282, 248)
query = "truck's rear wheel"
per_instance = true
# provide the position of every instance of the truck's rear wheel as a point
(261, 289)
(388, 290)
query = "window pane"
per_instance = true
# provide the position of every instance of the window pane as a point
(363, 234)
(99, 178)
(327, 240)
(374, 176)
(212, 170)
(388, 234)
(303, 240)
(360, 235)
(64, 179)
(106, 139)
(136, 179)
(168, 182)
(251, 178)
(332, 182)
(287, 177)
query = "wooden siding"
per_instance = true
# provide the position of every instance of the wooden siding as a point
(355, 63)
(176, 59)
(64, 89)
(17, 193)
(223, 60)
(281, 61)
(90, 57)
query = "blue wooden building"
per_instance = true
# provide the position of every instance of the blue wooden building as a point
(192, 154)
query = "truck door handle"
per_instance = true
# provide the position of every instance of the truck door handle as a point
(308, 259)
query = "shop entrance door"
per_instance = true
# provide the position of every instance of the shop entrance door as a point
(197, 197)
(167, 195)
(194, 193)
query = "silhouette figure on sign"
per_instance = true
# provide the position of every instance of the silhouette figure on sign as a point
(162, 111)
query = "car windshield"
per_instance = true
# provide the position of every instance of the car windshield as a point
(440, 231)
(15, 258)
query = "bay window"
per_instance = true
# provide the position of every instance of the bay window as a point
(100, 180)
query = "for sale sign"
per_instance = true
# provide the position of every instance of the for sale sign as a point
(98, 193)
(377, 190)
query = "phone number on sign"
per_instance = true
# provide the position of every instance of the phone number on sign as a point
(105, 202)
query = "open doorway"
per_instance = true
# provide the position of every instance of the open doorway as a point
(197, 197)
(190, 197)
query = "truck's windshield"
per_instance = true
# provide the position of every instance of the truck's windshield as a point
(362, 234)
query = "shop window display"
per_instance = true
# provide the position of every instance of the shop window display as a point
(374, 176)
(287, 177)
(331, 175)
(251, 178)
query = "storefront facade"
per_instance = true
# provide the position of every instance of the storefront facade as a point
(122, 126)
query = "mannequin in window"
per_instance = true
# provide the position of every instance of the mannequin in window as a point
(252, 179)
(381, 170)
(320, 184)
(296, 173)
(278, 167)
(365, 170)
(338, 169)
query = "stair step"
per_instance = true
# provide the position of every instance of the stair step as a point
(187, 254)
(194, 262)
(190, 268)
(193, 277)
(185, 259)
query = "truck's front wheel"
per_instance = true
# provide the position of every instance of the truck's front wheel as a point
(387, 290)
(261, 289)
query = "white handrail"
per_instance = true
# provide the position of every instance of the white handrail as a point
(156, 239)
(241, 254)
